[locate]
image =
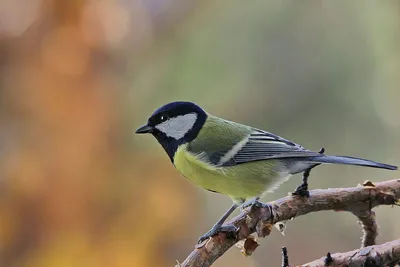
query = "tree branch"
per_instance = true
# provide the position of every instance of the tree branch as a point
(369, 226)
(358, 200)
(387, 254)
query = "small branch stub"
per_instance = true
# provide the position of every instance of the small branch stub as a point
(285, 257)
(328, 259)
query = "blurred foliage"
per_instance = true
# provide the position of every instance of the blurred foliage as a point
(77, 189)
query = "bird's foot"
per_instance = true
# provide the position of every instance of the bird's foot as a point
(230, 230)
(255, 202)
(302, 190)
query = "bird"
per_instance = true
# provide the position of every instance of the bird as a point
(233, 159)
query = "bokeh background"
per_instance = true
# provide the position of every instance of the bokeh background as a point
(77, 188)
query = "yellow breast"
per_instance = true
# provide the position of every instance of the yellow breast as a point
(198, 171)
(231, 181)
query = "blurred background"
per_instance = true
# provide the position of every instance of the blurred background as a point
(77, 188)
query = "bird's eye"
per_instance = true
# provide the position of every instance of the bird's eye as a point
(164, 117)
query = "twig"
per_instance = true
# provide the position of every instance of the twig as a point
(356, 200)
(387, 254)
(328, 259)
(285, 257)
(369, 226)
(366, 218)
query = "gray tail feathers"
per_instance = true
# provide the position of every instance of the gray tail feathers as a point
(351, 161)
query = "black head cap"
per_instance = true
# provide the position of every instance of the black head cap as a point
(174, 124)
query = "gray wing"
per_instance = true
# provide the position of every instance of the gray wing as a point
(262, 145)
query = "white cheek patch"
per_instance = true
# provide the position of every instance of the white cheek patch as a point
(177, 127)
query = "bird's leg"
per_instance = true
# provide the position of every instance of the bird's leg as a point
(218, 227)
(302, 190)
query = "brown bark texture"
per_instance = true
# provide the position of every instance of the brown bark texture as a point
(359, 200)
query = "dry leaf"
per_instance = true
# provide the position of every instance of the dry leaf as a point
(281, 226)
(249, 246)
(263, 229)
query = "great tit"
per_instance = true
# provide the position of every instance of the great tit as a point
(233, 159)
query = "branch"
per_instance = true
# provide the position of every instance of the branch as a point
(387, 254)
(358, 200)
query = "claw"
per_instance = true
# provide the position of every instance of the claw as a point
(253, 203)
(256, 203)
(302, 191)
(229, 229)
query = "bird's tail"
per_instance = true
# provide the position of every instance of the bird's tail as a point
(351, 161)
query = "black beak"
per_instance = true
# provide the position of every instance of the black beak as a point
(144, 129)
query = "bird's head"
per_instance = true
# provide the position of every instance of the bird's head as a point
(174, 124)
